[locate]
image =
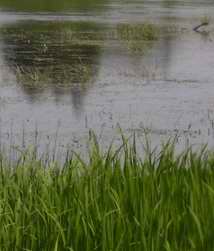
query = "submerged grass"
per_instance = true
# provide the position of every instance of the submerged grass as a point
(142, 32)
(63, 76)
(115, 201)
(138, 37)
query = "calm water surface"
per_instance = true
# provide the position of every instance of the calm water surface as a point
(65, 69)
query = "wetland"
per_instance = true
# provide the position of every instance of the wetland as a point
(70, 67)
(105, 110)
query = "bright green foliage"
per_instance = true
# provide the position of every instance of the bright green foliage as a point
(115, 201)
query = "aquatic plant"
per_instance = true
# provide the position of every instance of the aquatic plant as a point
(52, 55)
(114, 201)
(138, 37)
(63, 76)
(145, 32)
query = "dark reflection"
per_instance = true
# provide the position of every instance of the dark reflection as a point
(52, 5)
(58, 56)
(168, 39)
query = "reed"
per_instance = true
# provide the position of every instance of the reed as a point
(113, 201)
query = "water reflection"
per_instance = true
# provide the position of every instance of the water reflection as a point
(61, 57)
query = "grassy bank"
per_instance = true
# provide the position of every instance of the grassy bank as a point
(111, 202)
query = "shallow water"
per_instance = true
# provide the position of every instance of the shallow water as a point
(66, 71)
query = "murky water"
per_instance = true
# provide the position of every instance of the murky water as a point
(67, 69)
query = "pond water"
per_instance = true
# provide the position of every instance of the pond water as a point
(67, 68)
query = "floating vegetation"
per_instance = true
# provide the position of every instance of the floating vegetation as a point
(139, 37)
(142, 32)
(63, 77)
(54, 31)
(30, 77)
(54, 55)
(116, 201)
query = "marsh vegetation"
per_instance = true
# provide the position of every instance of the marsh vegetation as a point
(62, 54)
(114, 201)
(85, 64)
(138, 37)
(56, 55)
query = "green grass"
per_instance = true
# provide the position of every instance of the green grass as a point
(138, 38)
(142, 32)
(36, 78)
(113, 201)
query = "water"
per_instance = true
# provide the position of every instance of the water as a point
(65, 69)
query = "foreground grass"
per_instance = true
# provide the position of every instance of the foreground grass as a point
(113, 202)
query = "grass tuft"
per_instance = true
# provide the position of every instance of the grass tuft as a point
(115, 201)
